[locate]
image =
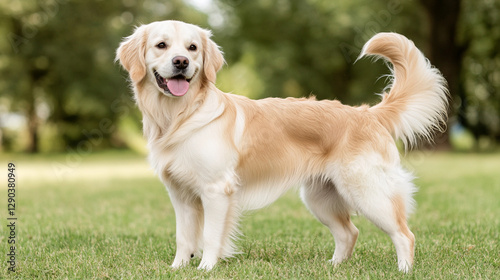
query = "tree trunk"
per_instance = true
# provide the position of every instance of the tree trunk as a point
(445, 53)
(32, 124)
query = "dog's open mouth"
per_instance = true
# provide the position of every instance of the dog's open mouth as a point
(177, 85)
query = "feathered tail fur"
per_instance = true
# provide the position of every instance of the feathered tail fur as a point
(417, 102)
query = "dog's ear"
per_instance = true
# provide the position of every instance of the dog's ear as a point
(212, 57)
(132, 54)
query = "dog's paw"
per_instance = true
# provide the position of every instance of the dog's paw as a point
(207, 264)
(334, 262)
(337, 260)
(404, 266)
(178, 263)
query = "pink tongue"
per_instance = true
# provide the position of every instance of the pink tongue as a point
(178, 87)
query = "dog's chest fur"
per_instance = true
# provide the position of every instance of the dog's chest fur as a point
(198, 152)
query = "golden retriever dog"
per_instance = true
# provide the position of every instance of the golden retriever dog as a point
(219, 154)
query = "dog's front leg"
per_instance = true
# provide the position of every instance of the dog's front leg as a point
(217, 204)
(189, 223)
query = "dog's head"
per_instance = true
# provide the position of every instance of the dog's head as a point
(173, 55)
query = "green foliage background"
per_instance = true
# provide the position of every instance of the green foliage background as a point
(57, 68)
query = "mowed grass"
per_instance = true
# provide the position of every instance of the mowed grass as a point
(106, 215)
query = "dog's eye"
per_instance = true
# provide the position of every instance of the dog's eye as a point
(193, 47)
(161, 45)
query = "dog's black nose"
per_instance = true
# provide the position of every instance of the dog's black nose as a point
(180, 62)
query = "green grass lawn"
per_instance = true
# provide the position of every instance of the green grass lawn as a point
(107, 216)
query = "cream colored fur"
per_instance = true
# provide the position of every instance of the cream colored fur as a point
(220, 154)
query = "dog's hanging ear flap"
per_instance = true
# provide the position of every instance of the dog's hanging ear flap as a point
(212, 57)
(132, 54)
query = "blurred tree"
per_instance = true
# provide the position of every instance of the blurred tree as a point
(445, 52)
(309, 47)
(479, 99)
(57, 63)
(299, 47)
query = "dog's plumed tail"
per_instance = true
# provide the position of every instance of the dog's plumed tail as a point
(417, 102)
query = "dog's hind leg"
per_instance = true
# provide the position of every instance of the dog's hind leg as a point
(383, 194)
(323, 200)
(388, 213)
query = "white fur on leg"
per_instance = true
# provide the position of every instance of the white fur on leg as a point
(188, 228)
(216, 205)
(323, 200)
(403, 250)
(345, 239)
